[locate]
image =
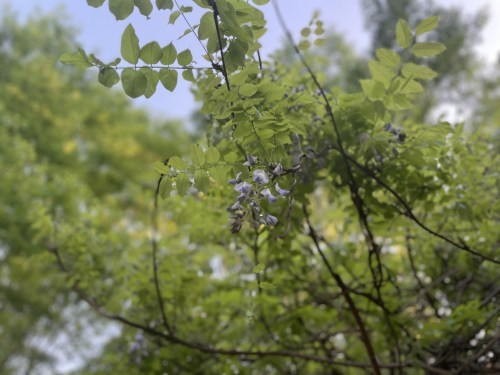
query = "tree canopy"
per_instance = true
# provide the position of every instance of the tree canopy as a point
(322, 221)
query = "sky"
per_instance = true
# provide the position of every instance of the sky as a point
(100, 33)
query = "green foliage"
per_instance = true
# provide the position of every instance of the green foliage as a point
(309, 229)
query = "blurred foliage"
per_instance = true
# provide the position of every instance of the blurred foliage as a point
(72, 155)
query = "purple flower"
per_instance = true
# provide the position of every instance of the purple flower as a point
(255, 206)
(278, 170)
(260, 176)
(251, 160)
(281, 191)
(236, 207)
(236, 180)
(243, 188)
(268, 195)
(271, 220)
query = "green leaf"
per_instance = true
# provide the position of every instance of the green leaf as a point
(115, 62)
(161, 168)
(153, 78)
(130, 45)
(403, 34)
(231, 157)
(219, 174)
(95, 3)
(165, 187)
(236, 54)
(145, 7)
(397, 102)
(177, 163)
(188, 75)
(184, 58)
(121, 9)
(169, 54)
(182, 183)
(197, 155)
(151, 53)
(173, 16)
(108, 77)
(260, 2)
(212, 155)
(78, 59)
(411, 70)
(168, 78)
(388, 57)
(374, 90)
(427, 49)
(164, 4)
(248, 89)
(266, 285)
(427, 25)
(259, 268)
(201, 180)
(381, 72)
(242, 129)
(134, 82)
(207, 26)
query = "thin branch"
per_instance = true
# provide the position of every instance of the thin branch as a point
(192, 30)
(213, 4)
(154, 254)
(365, 338)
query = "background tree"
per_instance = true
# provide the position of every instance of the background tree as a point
(76, 153)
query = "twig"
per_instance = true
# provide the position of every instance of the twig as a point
(365, 338)
(213, 4)
(154, 253)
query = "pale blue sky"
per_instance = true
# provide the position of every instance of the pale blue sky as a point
(100, 33)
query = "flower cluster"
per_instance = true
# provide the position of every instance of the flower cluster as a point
(252, 193)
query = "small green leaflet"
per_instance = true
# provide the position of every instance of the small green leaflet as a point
(130, 45)
(403, 34)
(248, 89)
(427, 49)
(197, 155)
(266, 285)
(207, 26)
(121, 9)
(374, 90)
(134, 82)
(168, 78)
(184, 58)
(177, 163)
(212, 155)
(381, 73)
(427, 25)
(411, 70)
(152, 77)
(95, 3)
(388, 57)
(144, 6)
(188, 75)
(218, 173)
(165, 187)
(173, 16)
(78, 59)
(169, 54)
(182, 183)
(108, 77)
(259, 268)
(161, 168)
(201, 180)
(164, 4)
(151, 53)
